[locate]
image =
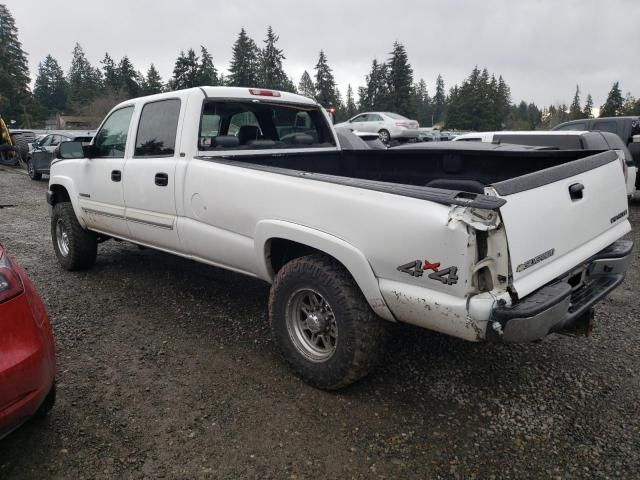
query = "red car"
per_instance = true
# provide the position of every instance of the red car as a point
(27, 349)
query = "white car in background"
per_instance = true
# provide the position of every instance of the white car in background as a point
(390, 126)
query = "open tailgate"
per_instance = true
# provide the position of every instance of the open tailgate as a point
(557, 218)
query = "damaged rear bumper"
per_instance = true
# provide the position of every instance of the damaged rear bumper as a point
(558, 306)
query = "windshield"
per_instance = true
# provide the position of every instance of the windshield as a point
(238, 125)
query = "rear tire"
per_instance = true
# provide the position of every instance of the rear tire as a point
(33, 175)
(323, 325)
(75, 247)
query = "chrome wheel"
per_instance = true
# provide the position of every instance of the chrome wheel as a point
(312, 325)
(384, 136)
(62, 238)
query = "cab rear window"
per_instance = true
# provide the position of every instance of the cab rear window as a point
(237, 125)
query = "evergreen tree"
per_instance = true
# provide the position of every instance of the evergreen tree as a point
(85, 82)
(614, 103)
(630, 105)
(14, 70)
(306, 86)
(400, 81)
(270, 72)
(563, 113)
(243, 70)
(152, 83)
(325, 83)
(350, 105)
(51, 88)
(207, 72)
(439, 101)
(481, 103)
(525, 117)
(503, 99)
(110, 74)
(575, 110)
(129, 78)
(422, 103)
(375, 95)
(588, 107)
(186, 71)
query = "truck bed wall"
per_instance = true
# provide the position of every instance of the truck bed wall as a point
(414, 167)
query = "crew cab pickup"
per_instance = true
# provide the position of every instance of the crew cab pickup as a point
(500, 245)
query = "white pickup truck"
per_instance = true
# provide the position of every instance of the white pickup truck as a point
(504, 245)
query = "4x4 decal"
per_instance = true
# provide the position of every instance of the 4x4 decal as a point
(417, 268)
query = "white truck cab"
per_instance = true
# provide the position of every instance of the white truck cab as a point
(506, 245)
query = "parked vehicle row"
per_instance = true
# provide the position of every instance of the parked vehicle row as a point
(507, 244)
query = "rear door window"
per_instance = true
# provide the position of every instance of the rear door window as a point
(157, 129)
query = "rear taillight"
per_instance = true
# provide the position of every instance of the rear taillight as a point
(10, 284)
(263, 93)
(402, 124)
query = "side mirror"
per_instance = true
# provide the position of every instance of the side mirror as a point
(69, 150)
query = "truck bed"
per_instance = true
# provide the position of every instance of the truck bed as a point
(449, 174)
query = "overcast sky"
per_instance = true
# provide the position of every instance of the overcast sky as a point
(541, 47)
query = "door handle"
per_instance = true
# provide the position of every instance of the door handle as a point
(116, 175)
(162, 179)
(576, 191)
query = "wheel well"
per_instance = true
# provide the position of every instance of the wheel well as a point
(60, 194)
(280, 251)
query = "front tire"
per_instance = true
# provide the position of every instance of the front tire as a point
(75, 247)
(33, 175)
(385, 136)
(323, 325)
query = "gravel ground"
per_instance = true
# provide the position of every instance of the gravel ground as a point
(166, 369)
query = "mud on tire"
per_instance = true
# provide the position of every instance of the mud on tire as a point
(361, 335)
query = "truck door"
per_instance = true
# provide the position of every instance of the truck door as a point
(149, 176)
(100, 193)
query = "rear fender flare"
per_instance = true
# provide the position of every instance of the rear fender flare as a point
(352, 258)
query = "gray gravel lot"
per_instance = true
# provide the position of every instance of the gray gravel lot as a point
(166, 369)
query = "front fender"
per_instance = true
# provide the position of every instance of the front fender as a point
(352, 258)
(69, 186)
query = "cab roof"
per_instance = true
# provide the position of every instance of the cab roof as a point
(243, 93)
